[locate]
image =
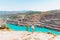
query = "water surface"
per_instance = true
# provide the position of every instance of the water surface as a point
(36, 29)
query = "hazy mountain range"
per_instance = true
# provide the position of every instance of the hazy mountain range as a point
(15, 12)
(8, 13)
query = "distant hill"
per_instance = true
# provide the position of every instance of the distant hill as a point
(9, 13)
(12, 13)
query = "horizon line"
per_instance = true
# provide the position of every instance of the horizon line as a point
(31, 10)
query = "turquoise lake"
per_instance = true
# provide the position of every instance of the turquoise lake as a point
(36, 29)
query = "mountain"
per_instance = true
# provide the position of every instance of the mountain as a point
(14, 12)
(9, 13)
(53, 14)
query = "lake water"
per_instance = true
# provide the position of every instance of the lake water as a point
(36, 29)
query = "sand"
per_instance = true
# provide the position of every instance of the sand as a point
(23, 35)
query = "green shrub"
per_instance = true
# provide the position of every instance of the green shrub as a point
(49, 33)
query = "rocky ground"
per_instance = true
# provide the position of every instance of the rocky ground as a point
(23, 35)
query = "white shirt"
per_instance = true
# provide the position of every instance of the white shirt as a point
(32, 26)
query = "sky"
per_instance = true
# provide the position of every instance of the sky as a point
(35, 5)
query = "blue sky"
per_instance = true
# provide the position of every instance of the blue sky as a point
(35, 5)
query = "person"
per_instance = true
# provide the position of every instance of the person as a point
(33, 28)
(26, 27)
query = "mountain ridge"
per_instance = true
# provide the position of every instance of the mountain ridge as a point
(8, 13)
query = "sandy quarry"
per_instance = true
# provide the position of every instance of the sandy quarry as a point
(23, 35)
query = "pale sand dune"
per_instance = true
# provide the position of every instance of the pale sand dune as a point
(23, 35)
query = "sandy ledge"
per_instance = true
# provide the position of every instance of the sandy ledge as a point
(23, 35)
